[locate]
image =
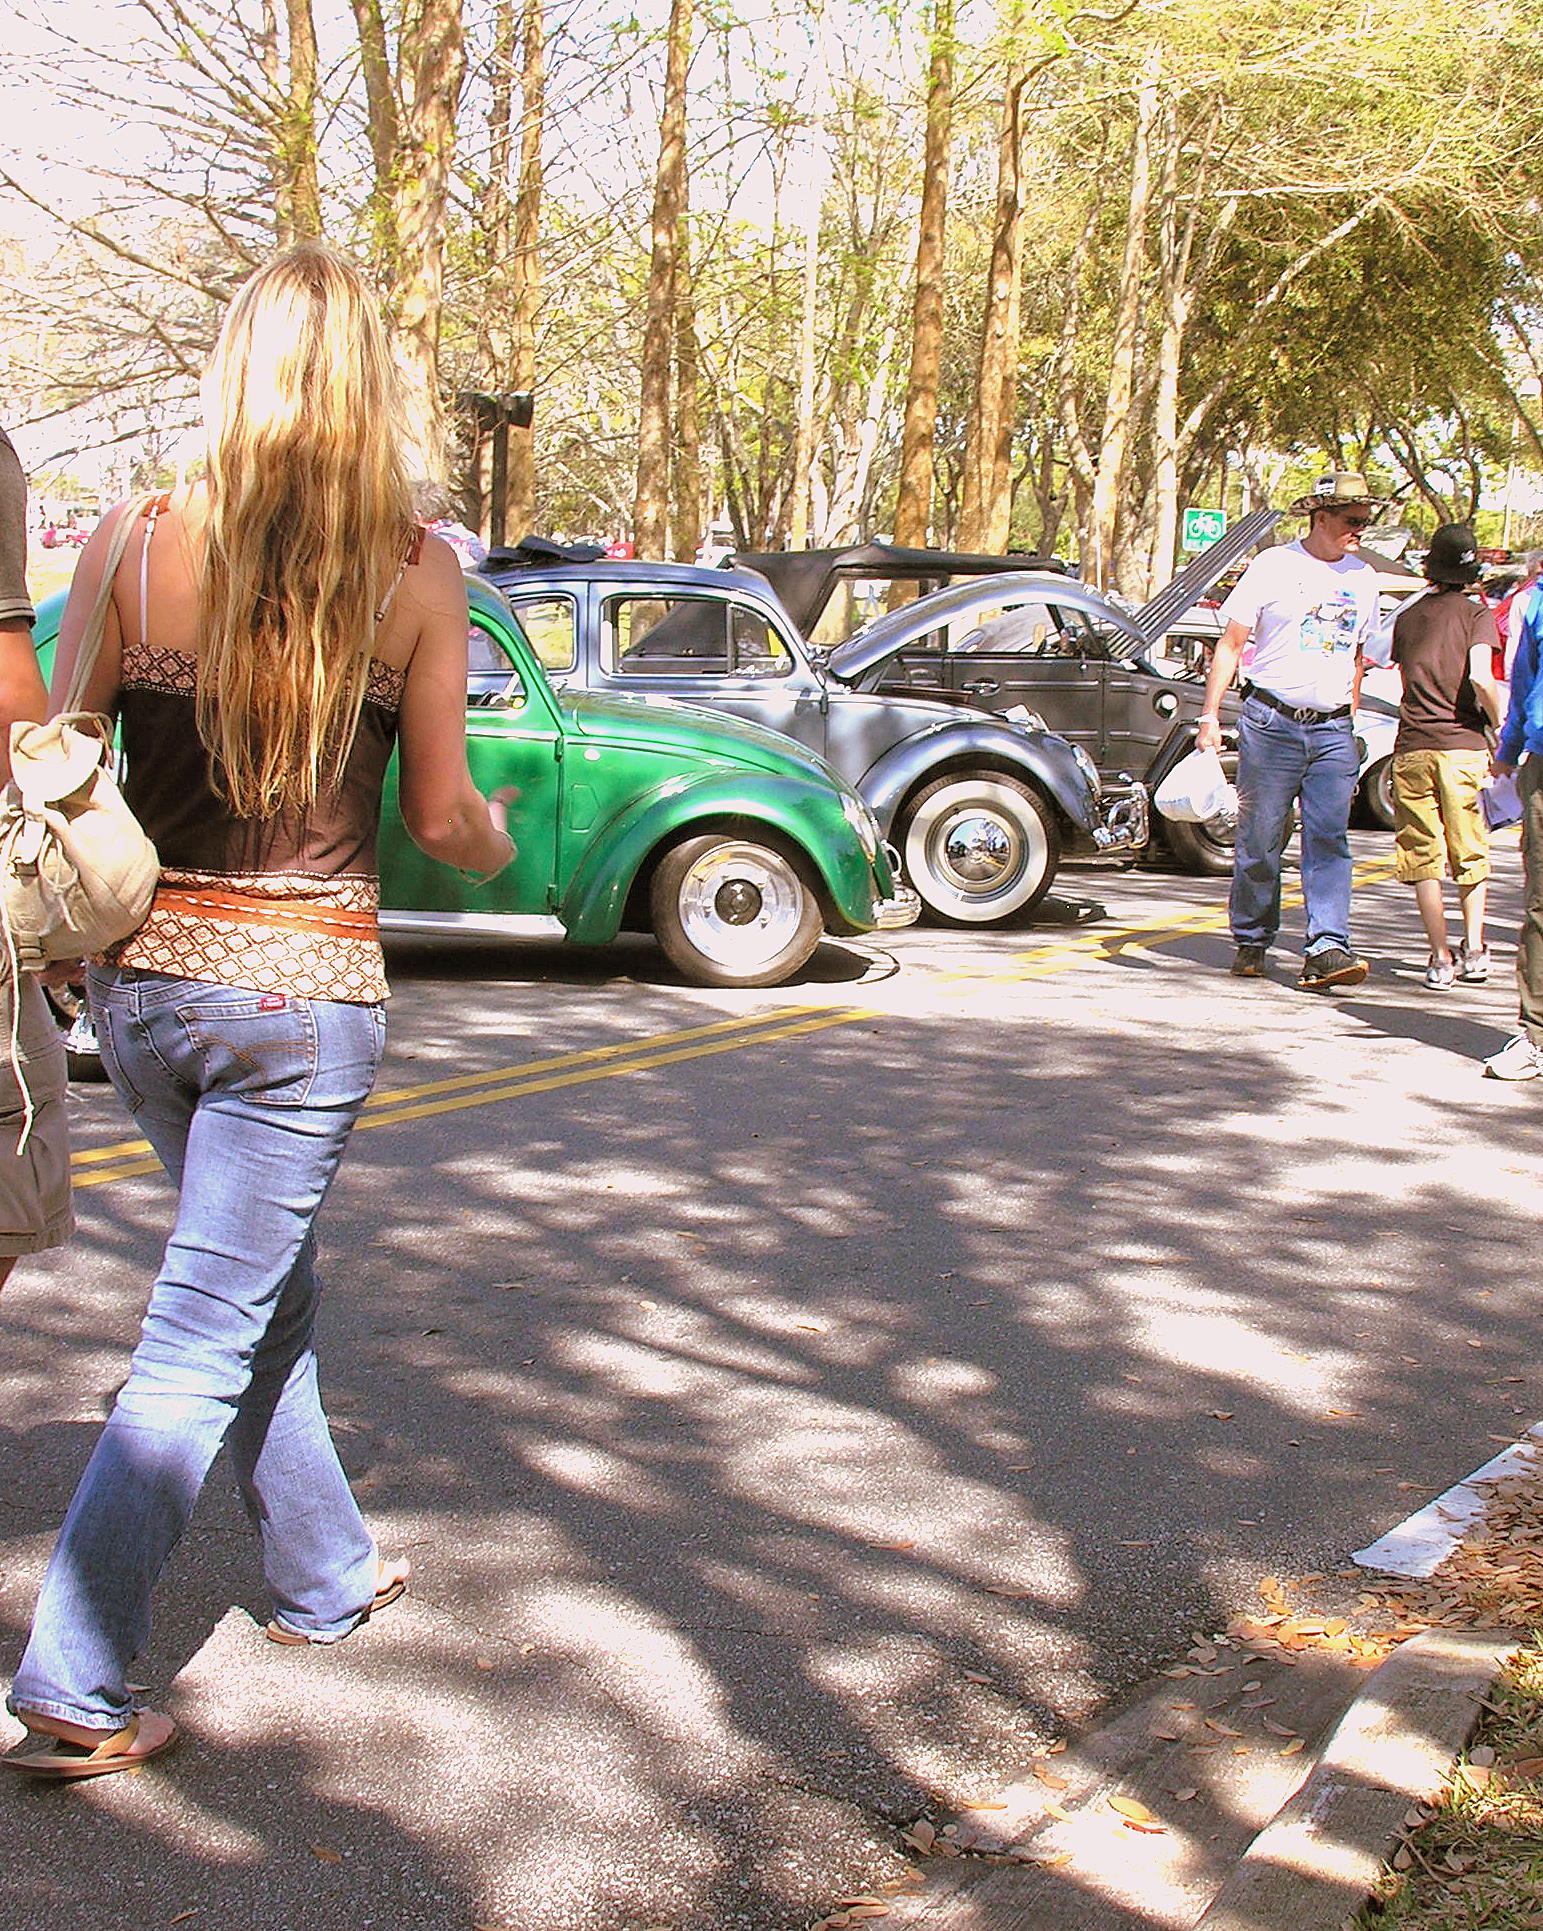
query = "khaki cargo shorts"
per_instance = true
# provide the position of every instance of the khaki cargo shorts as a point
(1437, 818)
(35, 1208)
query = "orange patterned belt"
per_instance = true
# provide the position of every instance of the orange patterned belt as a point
(283, 915)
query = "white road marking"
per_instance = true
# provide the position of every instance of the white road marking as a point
(1424, 1540)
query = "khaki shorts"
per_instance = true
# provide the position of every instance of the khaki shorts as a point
(1438, 821)
(34, 1184)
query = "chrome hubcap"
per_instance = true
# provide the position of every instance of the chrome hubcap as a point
(980, 851)
(741, 905)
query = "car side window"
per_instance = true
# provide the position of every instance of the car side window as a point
(491, 677)
(550, 629)
(689, 637)
(1024, 630)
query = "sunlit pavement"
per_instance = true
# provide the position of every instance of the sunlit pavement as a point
(797, 1405)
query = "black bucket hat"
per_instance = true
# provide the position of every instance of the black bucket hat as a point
(1453, 557)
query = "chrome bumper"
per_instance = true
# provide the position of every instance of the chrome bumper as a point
(889, 914)
(1127, 823)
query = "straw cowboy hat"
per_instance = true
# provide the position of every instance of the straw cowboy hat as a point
(1341, 489)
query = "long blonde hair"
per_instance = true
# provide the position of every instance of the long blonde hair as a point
(310, 519)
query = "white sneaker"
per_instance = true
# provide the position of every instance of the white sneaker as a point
(1472, 967)
(1439, 974)
(1517, 1059)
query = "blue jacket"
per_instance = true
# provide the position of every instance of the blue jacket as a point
(1523, 727)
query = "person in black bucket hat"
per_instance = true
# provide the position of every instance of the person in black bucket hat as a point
(1443, 645)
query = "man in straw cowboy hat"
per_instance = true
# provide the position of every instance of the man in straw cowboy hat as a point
(1296, 626)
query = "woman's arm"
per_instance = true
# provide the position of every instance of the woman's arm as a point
(445, 814)
(101, 692)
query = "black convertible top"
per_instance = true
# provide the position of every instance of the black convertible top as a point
(804, 579)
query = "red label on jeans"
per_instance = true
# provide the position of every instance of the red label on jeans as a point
(274, 1002)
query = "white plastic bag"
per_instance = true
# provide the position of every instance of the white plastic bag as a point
(1196, 790)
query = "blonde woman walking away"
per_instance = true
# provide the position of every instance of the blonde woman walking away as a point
(273, 634)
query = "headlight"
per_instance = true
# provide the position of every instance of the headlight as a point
(1088, 769)
(863, 822)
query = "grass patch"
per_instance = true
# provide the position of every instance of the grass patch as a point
(1474, 1860)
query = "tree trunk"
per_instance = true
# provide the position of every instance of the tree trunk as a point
(526, 265)
(985, 515)
(913, 508)
(686, 466)
(804, 430)
(1114, 444)
(297, 201)
(651, 500)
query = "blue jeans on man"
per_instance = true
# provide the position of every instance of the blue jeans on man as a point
(1282, 762)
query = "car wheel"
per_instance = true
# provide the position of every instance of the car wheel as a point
(980, 848)
(731, 912)
(1204, 849)
(1200, 849)
(1377, 794)
(73, 1015)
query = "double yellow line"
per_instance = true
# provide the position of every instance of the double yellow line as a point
(96, 1166)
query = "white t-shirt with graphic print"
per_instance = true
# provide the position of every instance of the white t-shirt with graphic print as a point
(1308, 621)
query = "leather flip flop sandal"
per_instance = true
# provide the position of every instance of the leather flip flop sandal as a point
(391, 1581)
(42, 1754)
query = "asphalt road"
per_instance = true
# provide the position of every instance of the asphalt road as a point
(796, 1405)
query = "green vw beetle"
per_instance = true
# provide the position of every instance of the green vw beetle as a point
(734, 845)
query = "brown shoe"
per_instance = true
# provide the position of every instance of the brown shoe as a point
(1331, 967)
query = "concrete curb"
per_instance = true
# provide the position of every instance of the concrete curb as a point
(1319, 1858)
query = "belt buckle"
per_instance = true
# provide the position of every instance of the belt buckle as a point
(1304, 714)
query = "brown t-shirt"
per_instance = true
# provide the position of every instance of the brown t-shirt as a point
(15, 604)
(1432, 637)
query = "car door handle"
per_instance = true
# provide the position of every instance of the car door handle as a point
(981, 687)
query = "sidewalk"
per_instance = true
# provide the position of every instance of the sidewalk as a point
(1268, 1785)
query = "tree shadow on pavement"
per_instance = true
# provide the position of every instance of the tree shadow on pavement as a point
(782, 1457)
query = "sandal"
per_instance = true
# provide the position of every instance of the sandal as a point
(390, 1582)
(44, 1753)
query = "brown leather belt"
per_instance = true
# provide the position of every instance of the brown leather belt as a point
(279, 914)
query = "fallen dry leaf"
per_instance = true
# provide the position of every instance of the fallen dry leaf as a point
(1049, 1778)
(921, 1836)
(1185, 1796)
(1290, 1749)
(1135, 1815)
(326, 1853)
(1222, 1729)
(1277, 1729)
(487, 1662)
(1223, 1414)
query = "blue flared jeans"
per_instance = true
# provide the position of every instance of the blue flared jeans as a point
(1282, 763)
(248, 1099)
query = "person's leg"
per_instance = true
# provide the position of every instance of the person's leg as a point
(1433, 916)
(1472, 901)
(1417, 844)
(1529, 949)
(1328, 789)
(249, 1100)
(35, 1211)
(1460, 779)
(1271, 759)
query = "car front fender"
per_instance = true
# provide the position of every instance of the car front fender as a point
(1039, 758)
(804, 816)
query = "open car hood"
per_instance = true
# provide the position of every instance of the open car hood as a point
(880, 640)
(1128, 633)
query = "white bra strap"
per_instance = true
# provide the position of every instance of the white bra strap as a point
(144, 572)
